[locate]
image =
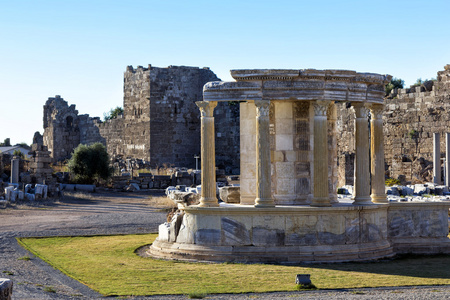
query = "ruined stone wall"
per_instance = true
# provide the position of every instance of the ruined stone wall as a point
(136, 115)
(227, 140)
(175, 118)
(61, 128)
(410, 118)
(160, 123)
(112, 131)
(89, 130)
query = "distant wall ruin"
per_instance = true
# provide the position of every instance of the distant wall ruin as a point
(410, 118)
(160, 123)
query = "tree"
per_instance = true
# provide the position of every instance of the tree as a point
(396, 83)
(19, 153)
(6, 143)
(24, 145)
(89, 163)
(113, 113)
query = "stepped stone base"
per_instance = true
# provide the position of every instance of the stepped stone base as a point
(283, 234)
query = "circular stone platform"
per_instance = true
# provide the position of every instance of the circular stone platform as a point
(283, 234)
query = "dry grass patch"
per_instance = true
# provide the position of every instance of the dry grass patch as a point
(73, 195)
(160, 202)
(109, 265)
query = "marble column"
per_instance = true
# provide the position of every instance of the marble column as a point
(208, 155)
(377, 154)
(362, 170)
(320, 192)
(263, 180)
(447, 159)
(332, 153)
(436, 158)
(15, 169)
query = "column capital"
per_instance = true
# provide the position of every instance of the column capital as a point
(376, 111)
(360, 110)
(262, 108)
(321, 107)
(206, 108)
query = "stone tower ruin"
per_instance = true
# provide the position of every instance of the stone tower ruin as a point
(160, 122)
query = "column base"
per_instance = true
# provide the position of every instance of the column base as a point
(362, 200)
(264, 202)
(379, 198)
(320, 201)
(208, 202)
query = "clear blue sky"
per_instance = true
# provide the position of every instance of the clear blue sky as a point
(80, 49)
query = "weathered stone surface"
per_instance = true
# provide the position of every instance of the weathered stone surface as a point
(230, 194)
(234, 233)
(207, 237)
(185, 198)
(6, 289)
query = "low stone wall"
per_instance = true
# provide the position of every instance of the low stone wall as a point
(419, 227)
(149, 181)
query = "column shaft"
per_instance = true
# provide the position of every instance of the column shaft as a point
(436, 158)
(362, 169)
(447, 159)
(320, 194)
(15, 169)
(208, 155)
(263, 183)
(377, 154)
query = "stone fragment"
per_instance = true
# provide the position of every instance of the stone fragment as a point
(230, 194)
(6, 289)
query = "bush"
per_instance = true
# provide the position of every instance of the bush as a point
(89, 163)
(392, 181)
(113, 113)
(396, 83)
(19, 153)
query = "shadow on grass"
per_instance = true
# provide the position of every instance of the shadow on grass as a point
(409, 265)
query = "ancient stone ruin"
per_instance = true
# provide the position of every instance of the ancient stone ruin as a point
(288, 211)
(160, 123)
(411, 116)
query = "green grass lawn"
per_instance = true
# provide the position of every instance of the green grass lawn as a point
(109, 265)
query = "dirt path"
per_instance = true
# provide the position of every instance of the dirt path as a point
(121, 213)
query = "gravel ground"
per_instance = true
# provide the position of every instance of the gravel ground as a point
(122, 213)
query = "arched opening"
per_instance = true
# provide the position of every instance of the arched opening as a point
(69, 122)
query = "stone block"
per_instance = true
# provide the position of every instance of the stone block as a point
(230, 194)
(207, 237)
(90, 188)
(69, 187)
(284, 142)
(6, 289)
(164, 232)
(234, 232)
(267, 237)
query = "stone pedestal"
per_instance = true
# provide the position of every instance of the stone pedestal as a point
(208, 164)
(377, 154)
(362, 171)
(263, 179)
(320, 194)
(436, 158)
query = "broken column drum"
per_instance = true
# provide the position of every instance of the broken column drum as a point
(289, 210)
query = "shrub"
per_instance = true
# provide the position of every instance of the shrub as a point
(392, 181)
(89, 163)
